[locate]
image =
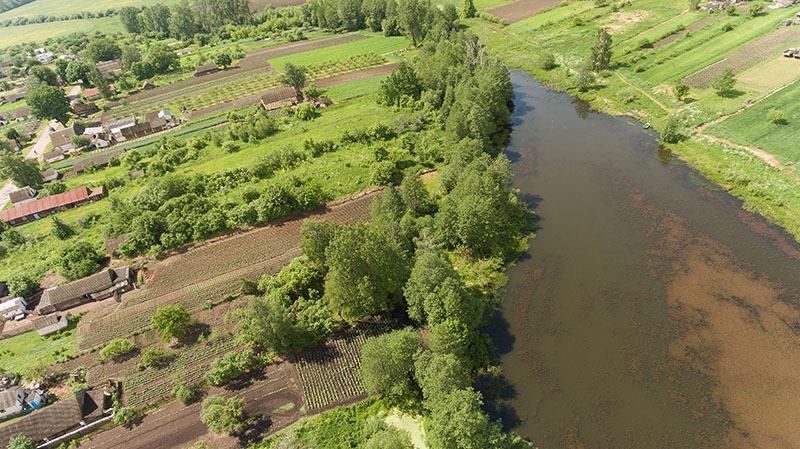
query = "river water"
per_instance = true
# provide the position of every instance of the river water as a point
(651, 311)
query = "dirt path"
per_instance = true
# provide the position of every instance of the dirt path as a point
(642, 91)
(765, 156)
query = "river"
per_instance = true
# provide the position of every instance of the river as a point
(651, 311)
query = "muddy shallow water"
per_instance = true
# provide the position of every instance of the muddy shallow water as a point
(650, 311)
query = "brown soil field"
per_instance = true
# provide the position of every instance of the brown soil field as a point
(213, 269)
(522, 9)
(746, 57)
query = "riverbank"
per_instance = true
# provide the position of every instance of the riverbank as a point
(642, 90)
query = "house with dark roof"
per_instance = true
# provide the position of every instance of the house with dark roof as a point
(50, 324)
(206, 69)
(48, 423)
(22, 114)
(62, 139)
(276, 98)
(84, 109)
(161, 120)
(99, 286)
(54, 156)
(49, 175)
(22, 196)
(100, 160)
(43, 207)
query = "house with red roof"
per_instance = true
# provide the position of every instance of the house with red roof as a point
(34, 210)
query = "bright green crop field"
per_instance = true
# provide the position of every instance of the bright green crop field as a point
(39, 32)
(66, 8)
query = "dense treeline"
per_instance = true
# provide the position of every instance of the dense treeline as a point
(16, 21)
(408, 259)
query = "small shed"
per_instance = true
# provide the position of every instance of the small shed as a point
(206, 69)
(22, 196)
(12, 308)
(50, 324)
(49, 175)
(53, 156)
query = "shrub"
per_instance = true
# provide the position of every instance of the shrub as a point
(305, 111)
(155, 356)
(671, 131)
(312, 91)
(182, 391)
(223, 416)
(230, 147)
(172, 321)
(116, 348)
(61, 230)
(776, 116)
(547, 61)
(125, 415)
(231, 365)
(21, 284)
(21, 442)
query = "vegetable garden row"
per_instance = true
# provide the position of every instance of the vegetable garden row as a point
(330, 372)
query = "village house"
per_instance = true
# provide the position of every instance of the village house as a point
(206, 69)
(62, 139)
(100, 160)
(92, 94)
(50, 324)
(22, 196)
(48, 423)
(84, 109)
(117, 126)
(16, 96)
(41, 208)
(276, 98)
(22, 114)
(50, 175)
(161, 120)
(12, 308)
(97, 287)
(51, 157)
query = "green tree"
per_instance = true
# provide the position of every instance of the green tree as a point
(49, 102)
(78, 260)
(182, 390)
(77, 71)
(776, 116)
(435, 292)
(469, 9)
(457, 422)
(366, 272)
(125, 415)
(223, 416)
(305, 111)
(316, 236)
(387, 363)
(350, 14)
(61, 230)
(21, 442)
(439, 375)
(295, 77)
(61, 69)
(400, 84)
(130, 56)
(182, 23)
(12, 134)
(412, 15)
(671, 131)
(24, 172)
(380, 435)
(155, 356)
(172, 321)
(601, 51)
(21, 284)
(267, 323)
(143, 70)
(130, 19)
(415, 194)
(80, 141)
(680, 90)
(731, 9)
(162, 58)
(694, 5)
(724, 83)
(755, 8)
(230, 366)
(44, 74)
(103, 49)
(222, 60)
(116, 348)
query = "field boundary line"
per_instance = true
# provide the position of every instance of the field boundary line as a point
(764, 155)
(642, 91)
(651, 28)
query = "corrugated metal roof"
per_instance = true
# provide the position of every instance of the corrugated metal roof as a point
(50, 203)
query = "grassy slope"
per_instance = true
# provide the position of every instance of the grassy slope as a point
(21, 353)
(66, 8)
(38, 32)
(377, 44)
(764, 189)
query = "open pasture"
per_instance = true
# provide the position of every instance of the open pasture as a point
(342, 52)
(752, 127)
(67, 8)
(772, 74)
(39, 32)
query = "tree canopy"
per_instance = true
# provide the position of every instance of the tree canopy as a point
(172, 321)
(294, 76)
(387, 363)
(49, 102)
(223, 416)
(23, 171)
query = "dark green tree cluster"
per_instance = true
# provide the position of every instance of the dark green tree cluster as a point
(184, 19)
(78, 260)
(230, 366)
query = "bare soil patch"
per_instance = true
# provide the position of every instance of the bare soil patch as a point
(522, 9)
(622, 20)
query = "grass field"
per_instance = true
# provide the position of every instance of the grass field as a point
(8, 107)
(377, 44)
(26, 351)
(353, 89)
(66, 8)
(751, 127)
(39, 32)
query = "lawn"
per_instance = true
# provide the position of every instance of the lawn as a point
(39, 32)
(751, 127)
(67, 8)
(12, 106)
(377, 44)
(29, 351)
(353, 89)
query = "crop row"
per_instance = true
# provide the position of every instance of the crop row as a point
(331, 372)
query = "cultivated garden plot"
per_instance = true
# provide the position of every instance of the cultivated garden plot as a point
(521, 9)
(210, 273)
(330, 372)
(748, 56)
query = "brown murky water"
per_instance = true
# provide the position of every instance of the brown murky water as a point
(651, 311)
